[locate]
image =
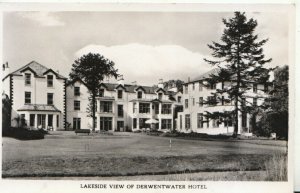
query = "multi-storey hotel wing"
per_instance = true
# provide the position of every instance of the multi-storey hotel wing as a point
(41, 98)
(37, 95)
(198, 92)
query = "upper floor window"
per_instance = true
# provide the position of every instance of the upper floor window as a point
(139, 94)
(27, 97)
(186, 103)
(187, 121)
(106, 107)
(166, 109)
(193, 86)
(27, 79)
(211, 100)
(193, 100)
(76, 91)
(120, 94)
(134, 108)
(50, 98)
(255, 88)
(186, 89)
(76, 105)
(120, 111)
(200, 86)
(101, 92)
(213, 86)
(200, 101)
(144, 108)
(254, 101)
(50, 80)
(179, 99)
(160, 96)
(199, 120)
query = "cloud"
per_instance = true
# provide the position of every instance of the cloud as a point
(43, 18)
(146, 64)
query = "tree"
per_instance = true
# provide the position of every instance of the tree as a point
(174, 83)
(92, 69)
(276, 113)
(6, 113)
(240, 60)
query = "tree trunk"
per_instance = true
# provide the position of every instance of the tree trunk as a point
(94, 110)
(236, 118)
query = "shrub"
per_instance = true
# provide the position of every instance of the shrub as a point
(24, 134)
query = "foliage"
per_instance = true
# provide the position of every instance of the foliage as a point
(92, 69)
(6, 112)
(24, 134)
(240, 59)
(275, 116)
(174, 83)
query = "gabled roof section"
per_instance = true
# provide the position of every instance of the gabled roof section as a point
(30, 69)
(36, 68)
(56, 74)
(71, 82)
(121, 86)
(205, 75)
(140, 87)
(160, 89)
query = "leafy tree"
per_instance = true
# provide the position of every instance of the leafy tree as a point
(92, 69)
(239, 58)
(276, 113)
(177, 83)
(6, 112)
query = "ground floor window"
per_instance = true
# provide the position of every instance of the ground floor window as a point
(120, 126)
(57, 121)
(142, 123)
(215, 121)
(41, 121)
(180, 121)
(50, 120)
(106, 123)
(134, 123)
(228, 121)
(23, 121)
(76, 123)
(187, 121)
(166, 123)
(31, 120)
(200, 120)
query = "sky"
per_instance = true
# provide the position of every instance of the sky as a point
(145, 46)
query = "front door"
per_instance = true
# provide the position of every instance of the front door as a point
(41, 121)
(120, 126)
(76, 123)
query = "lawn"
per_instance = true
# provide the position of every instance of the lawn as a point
(64, 154)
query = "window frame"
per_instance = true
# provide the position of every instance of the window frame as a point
(26, 97)
(76, 91)
(50, 80)
(48, 99)
(76, 105)
(27, 79)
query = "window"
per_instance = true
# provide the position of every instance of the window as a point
(207, 121)
(120, 125)
(187, 121)
(193, 86)
(156, 108)
(142, 122)
(31, 120)
(106, 123)
(200, 101)
(76, 91)
(27, 79)
(215, 121)
(105, 106)
(186, 103)
(180, 121)
(50, 98)
(244, 119)
(200, 86)
(228, 120)
(166, 109)
(200, 120)
(120, 94)
(134, 123)
(266, 88)
(76, 123)
(179, 99)
(50, 80)
(255, 88)
(120, 111)
(57, 121)
(186, 89)
(139, 94)
(160, 96)
(254, 101)
(27, 97)
(193, 99)
(134, 108)
(144, 108)
(166, 123)
(211, 100)
(212, 86)
(50, 120)
(76, 105)
(223, 100)
(101, 93)
(23, 121)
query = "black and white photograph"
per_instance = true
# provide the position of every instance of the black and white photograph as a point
(154, 95)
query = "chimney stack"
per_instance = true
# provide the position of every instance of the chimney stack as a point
(120, 80)
(5, 69)
(160, 83)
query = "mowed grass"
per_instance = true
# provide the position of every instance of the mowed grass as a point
(130, 154)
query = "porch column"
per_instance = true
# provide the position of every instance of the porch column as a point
(36, 121)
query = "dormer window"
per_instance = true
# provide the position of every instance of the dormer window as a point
(120, 94)
(160, 95)
(139, 94)
(27, 79)
(101, 92)
(50, 80)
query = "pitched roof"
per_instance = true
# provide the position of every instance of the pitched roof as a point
(39, 107)
(129, 88)
(36, 67)
(205, 75)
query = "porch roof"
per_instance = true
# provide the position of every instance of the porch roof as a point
(39, 107)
